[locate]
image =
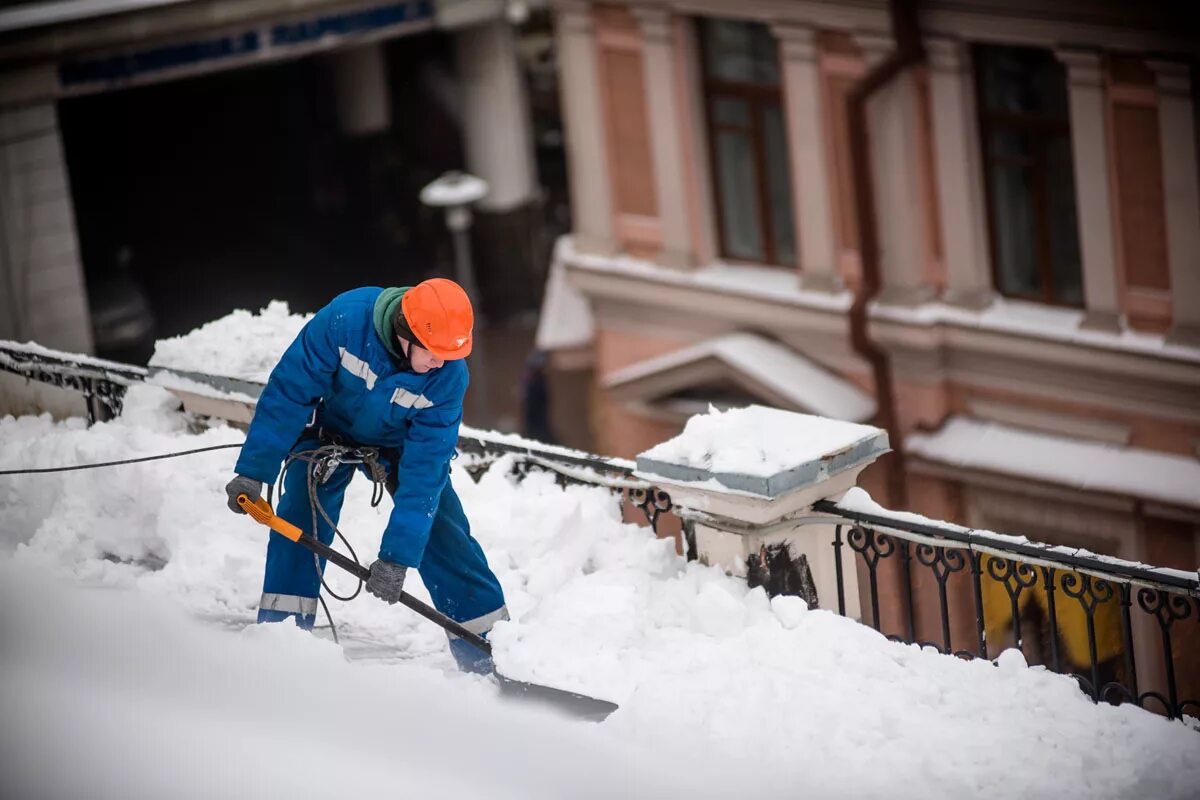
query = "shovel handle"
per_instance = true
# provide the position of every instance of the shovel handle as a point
(261, 512)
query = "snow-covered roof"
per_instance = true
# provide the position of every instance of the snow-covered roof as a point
(782, 372)
(1076, 463)
(1038, 321)
(743, 280)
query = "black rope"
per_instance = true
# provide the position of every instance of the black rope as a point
(117, 463)
(328, 458)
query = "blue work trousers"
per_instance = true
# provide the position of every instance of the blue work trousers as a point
(453, 568)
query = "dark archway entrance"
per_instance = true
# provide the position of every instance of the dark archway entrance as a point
(199, 196)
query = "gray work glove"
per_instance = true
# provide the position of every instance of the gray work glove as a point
(387, 580)
(242, 485)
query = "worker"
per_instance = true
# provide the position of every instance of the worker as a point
(385, 369)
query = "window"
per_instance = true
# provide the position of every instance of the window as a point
(748, 144)
(1025, 125)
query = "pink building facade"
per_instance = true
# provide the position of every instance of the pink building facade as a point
(1038, 217)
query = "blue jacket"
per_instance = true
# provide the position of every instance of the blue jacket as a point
(339, 359)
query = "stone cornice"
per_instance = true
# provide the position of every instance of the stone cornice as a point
(1090, 373)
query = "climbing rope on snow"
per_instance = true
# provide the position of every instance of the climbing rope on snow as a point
(43, 470)
(321, 462)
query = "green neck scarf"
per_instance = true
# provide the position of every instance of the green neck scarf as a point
(385, 310)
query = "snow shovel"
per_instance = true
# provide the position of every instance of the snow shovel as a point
(578, 705)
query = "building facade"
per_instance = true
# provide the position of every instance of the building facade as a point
(1037, 212)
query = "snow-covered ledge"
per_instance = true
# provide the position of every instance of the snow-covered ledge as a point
(749, 477)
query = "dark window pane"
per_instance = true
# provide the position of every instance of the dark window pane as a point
(1025, 124)
(1009, 144)
(779, 185)
(1064, 228)
(1022, 80)
(741, 52)
(1013, 218)
(731, 112)
(738, 190)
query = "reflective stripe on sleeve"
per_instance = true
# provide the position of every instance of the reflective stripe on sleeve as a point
(289, 603)
(356, 366)
(406, 399)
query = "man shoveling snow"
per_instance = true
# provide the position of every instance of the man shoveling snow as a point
(375, 381)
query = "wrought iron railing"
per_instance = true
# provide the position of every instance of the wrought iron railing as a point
(1012, 572)
(1138, 640)
(101, 383)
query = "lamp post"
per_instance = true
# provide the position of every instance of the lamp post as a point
(455, 192)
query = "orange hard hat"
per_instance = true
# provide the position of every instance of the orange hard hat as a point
(439, 314)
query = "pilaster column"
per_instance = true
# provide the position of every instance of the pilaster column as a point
(666, 136)
(1089, 147)
(895, 170)
(43, 296)
(1182, 198)
(496, 126)
(808, 157)
(959, 175)
(362, 92)
(583, 123)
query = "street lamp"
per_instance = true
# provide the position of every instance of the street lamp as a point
(455, 192)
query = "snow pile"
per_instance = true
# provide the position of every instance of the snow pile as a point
(776, 698)
(757, 441)
(239, 345)
(106, 695)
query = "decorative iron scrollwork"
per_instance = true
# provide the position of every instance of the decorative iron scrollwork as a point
(653, 502)
(871, 545)
(1089, 591)
(941, 561)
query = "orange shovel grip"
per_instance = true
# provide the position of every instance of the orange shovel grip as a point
(261, 512)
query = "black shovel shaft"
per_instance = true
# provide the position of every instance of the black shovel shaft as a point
(362, 573)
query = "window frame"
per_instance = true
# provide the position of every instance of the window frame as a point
(1040, 130)
(757, 97)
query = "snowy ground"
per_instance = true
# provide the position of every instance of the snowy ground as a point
(129, 670)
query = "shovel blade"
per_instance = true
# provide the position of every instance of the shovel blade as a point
(573, 704)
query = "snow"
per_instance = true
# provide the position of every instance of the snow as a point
(1037, 320)
(32, 348)
(454, 189)
(141, 682)
(757, 441)
(1086, 465)
(773, 365)
(739, 280)
(239, 345)
(566, 319)
(135, 699)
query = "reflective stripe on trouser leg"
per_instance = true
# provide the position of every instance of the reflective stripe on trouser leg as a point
(466, 655)
(291, 569)
(462, 585)
(483, 624)
(278, 607)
